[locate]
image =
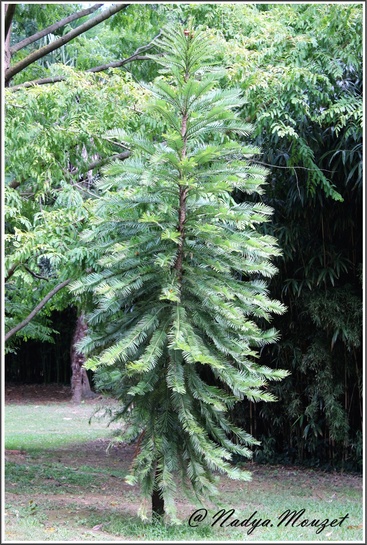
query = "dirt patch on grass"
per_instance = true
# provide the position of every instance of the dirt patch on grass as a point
(113, 461)
(37, 393)
(279, 473)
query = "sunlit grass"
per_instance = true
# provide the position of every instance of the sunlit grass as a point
(36, 427)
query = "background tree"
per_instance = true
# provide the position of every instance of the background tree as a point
(179, 296)
(320, 232)
(49, 182)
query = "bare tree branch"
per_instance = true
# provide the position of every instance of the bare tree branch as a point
(43, 51)
(136, 56)
(36, 309)
(56, 79)
(9, 14)
(35, 82)
(35, 275)
(38, 35)
(293, 167)
(14, 184)
(101, 162)
(116, 64)
(10, 272)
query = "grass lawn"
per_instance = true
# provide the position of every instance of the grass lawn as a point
(62, 483)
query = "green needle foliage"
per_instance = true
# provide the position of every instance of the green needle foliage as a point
(180, 298)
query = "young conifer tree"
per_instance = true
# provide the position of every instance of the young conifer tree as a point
(180, 290)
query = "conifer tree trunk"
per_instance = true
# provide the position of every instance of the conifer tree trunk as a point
(183, 198)
(157, 505)
(157, 502)
(157, 494)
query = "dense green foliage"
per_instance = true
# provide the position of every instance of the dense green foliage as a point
(52, 136)
(299, 67)
(304, 89)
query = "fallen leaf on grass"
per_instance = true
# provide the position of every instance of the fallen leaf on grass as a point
(358, 527)
(97, 527)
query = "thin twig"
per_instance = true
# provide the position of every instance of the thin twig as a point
(292, 167)
(35, 275)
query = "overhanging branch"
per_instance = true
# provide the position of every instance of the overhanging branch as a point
(36, 309)
(43, 51)
(35, 82)
(14, 184)
(136, 56)
(56, 79)
(117, 64)
(35, 275)
(101, 162)
(52, 28)
(10, 272)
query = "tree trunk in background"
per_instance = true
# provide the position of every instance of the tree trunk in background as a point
(7, 55)
(80, 387)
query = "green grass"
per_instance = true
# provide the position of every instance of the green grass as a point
(39, 427)
(54, 478)
(64, 487)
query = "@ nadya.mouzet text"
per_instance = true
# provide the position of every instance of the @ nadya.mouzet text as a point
(227, 518)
